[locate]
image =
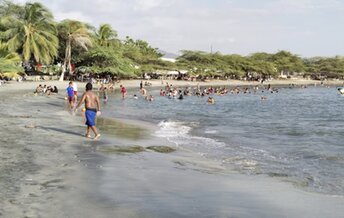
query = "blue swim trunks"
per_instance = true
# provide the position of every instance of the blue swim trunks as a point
(90, 117)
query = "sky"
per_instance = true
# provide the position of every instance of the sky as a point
(304, 27)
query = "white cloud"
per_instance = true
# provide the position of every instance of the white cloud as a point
(73, 15)
(144, 5)
(297, 6)
(230, 26)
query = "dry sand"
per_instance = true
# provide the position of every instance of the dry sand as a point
(47, 169)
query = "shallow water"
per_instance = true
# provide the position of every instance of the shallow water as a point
(120, 129)
(295, 134)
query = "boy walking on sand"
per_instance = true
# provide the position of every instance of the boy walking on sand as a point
(70, 95)
(92, 106)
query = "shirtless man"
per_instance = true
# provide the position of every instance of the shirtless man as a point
(143, 92)
(92, 109)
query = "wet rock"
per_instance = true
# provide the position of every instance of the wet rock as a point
(33, 195)
(179, 163)
(123, 149)
(53, 181)
(23, 116)
(278, 174)
(12, 201)
(161, 149)
(31, 126)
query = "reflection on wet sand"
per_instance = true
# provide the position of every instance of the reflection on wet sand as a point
(121, 129)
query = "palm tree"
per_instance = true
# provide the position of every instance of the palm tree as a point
(31, 32)
(9, 61)
(106, 36)
(73, 33)
(7, 8)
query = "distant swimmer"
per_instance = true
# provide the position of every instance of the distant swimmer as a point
(181, 97)
(92, 106)
(162, 93)
(143, 92)
(211, 100)
(149, 98)
(263, 98)
(105, 95)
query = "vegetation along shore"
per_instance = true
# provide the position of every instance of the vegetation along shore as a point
(32, 42)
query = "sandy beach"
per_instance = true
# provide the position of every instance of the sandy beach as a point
(30, 85)
(48, 169)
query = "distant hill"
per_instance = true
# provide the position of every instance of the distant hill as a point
(168, 54)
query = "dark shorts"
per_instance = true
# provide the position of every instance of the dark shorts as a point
(90, 115)
(70, 99)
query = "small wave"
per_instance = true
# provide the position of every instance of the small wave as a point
(249, 160)
(178, 133)
(170, 129)
(210, 131)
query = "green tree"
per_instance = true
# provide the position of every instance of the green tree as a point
(263, 64)
(322, 67)
(31, 32)
(288, 63)
(143, 56)
(140, 51)
(9, 61)
(106, 36)
(8, 8)
(107, 60)
(74, 33)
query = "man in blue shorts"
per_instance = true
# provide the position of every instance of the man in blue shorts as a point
(92, 109)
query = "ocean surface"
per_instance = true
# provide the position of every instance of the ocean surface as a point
(296, 135)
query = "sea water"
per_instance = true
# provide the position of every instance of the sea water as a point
(295, 135)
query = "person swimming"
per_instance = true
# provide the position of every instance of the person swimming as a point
(211, 100)
(105, 95)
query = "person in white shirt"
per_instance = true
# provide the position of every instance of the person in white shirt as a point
(75, 89)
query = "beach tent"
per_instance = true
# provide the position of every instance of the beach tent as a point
(173, 73)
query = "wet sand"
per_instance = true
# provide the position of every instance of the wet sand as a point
(48, 169)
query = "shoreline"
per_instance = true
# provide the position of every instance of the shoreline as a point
(53, 171)
(31, 85)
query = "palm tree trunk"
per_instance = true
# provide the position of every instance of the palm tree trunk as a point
(64, 68)
(70, 60)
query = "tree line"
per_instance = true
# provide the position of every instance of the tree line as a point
(30, 35)
(261, 65)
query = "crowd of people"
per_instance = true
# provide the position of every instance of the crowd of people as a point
(45, 90)
(92, 102)
(173, 92)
